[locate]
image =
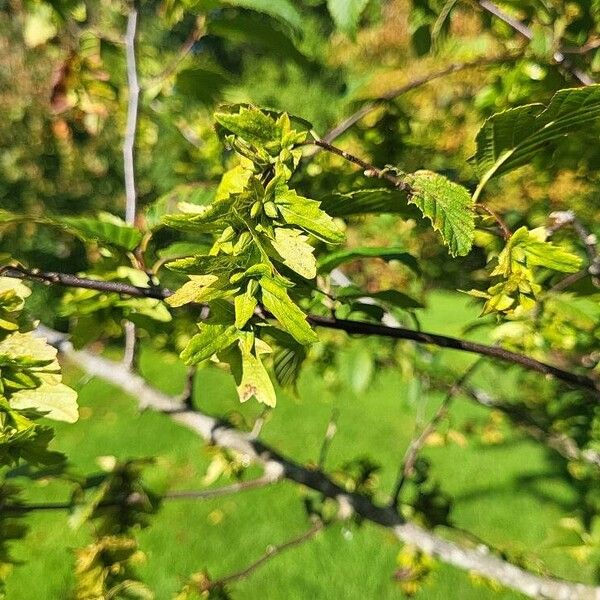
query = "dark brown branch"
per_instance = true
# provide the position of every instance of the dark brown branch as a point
(443, 341)
(270, 553)
(68, 280)
(365, 109)
(506, 232)
(569, 280)
(352, 327)
(368, 169)
(276, 466)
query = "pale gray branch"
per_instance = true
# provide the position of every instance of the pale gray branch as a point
(276, 466)
(128, 163)
(133, 91)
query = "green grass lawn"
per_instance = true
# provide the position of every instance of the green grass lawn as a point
(509, 494)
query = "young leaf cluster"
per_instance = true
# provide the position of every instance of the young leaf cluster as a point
(517, 267)
(30, 384)
(264, 235)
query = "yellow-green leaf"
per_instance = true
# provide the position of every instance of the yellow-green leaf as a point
(195, 290)
(58, 401)
(292, 319)
(297, 253)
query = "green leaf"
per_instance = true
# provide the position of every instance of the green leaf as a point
(259, 30)
(447, 205)
(287, 363)
(58, 401)
(346, 13)
(335, 259)
(367, 201)
(182, 250)
(530, 248)
(512, 138)
(212, 339)
(197, 289)
(106, 229)
(251, 124)
(245, 304)
(307, 214)
(296, 252)
(255, 379)
(211, 218)
(233, 181)
(293, 320)
(193, 194)
(210, 265)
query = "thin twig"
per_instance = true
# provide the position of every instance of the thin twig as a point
(526, 32)
(270, 553)
(506, 232)
(562, 218)
(408, 462)
(564, 445)
(349, 326)
(368, 169)
(370, 106)
(225, 490)
(196, 34)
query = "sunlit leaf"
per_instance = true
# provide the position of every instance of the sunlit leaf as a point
(59, 401)
(297, 253)
(447, 205)
(512, 138)
(293, 320)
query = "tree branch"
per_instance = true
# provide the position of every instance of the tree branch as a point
(277, 466)
(349, 326)
(270, 553)
(527, 33)
(564, 445)
(128, 162)
(208, 494)
(443, 341)
(370, 170)
(132, 116)
(370, 106)
(408, 462)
